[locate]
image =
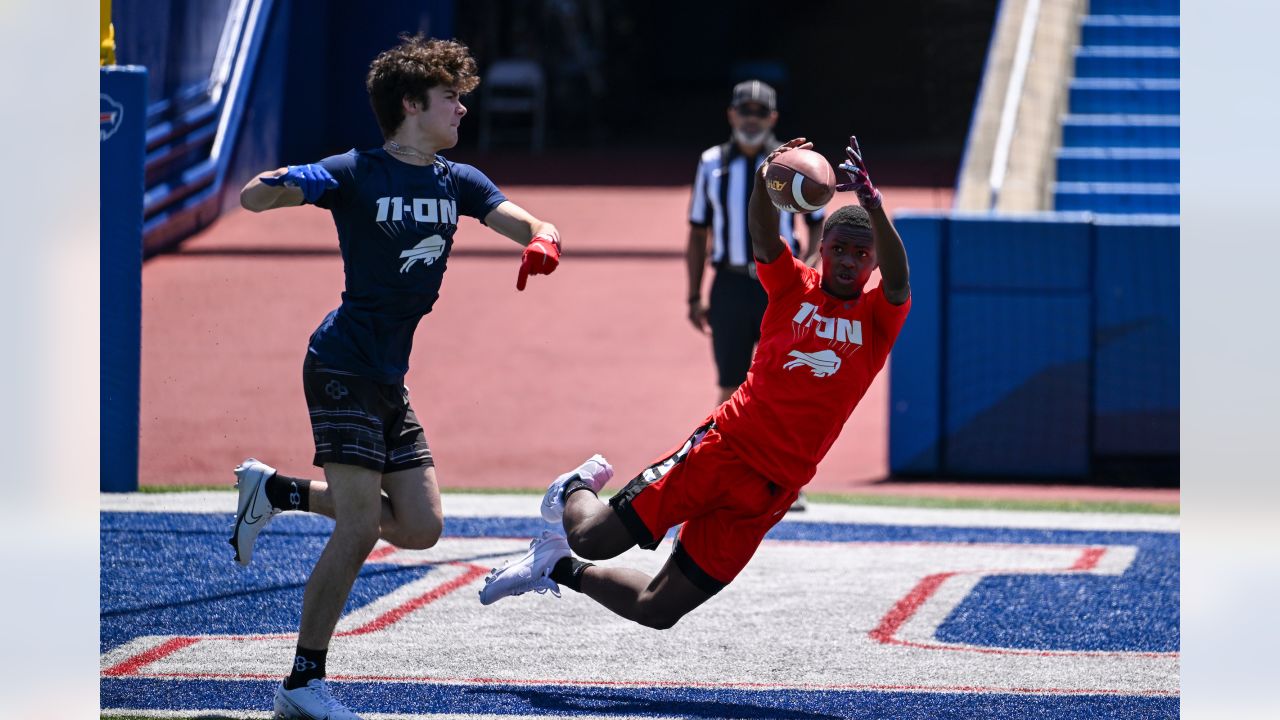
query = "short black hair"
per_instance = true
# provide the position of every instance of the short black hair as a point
(850, 215)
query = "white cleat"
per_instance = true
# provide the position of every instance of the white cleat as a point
(309, 702)
(253, 511)
(531, 572)
(596, 471)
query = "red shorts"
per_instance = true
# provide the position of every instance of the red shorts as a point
(725, 505)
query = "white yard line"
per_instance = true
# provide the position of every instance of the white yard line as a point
(481, 505)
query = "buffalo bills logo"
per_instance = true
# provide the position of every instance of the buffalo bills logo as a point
(111, 116)
(822, 363)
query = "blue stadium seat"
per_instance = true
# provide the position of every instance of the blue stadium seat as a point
(1120, 138)
(1124, 95)
(1130, 30)
(1123, 164)
(1119, 61)
(1117, 198)
(1134, 7)
(1120, 130)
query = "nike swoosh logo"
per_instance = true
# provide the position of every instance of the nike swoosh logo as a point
(250, 516)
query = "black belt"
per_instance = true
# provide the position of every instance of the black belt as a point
(748, 270)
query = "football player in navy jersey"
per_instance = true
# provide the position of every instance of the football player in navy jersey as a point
(396, 209)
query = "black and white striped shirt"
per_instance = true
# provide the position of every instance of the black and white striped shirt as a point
(721, 190)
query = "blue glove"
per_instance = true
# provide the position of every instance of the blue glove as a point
(312, 180)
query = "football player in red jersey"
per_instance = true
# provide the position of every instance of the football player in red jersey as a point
(823, 340)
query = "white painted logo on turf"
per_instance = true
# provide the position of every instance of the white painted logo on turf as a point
(823, 364)
(428, 251)
(887, 636)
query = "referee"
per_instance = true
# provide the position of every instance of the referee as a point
(718, 226)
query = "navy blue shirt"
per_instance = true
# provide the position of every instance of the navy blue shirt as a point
(395, 228)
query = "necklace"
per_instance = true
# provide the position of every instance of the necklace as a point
(394, 147)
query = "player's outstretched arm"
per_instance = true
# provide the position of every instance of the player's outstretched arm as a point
(541, 239)
(762, 216)
(286, 187)
(890, 252)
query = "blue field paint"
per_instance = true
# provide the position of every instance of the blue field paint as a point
(643, 701)
(173, 574)
(167, 576)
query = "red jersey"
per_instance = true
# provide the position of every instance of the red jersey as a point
(816, 358)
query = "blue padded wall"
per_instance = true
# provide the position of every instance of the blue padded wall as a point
(1136, 390)
(915, 380)
(1017, 346)
(1032, 253)
(1017, 388)
(1036, 346)
(122, 145)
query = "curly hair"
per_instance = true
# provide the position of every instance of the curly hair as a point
(412, 68)
(850, 215)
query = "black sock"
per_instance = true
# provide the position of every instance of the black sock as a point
(307, 666)
(573, 486)
(568, 572)
(286, 493)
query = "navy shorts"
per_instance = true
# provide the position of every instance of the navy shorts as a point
(734, 312)
(356, 421)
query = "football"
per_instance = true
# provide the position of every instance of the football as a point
(800, 181)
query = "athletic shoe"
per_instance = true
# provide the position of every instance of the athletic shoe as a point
(800, 505)
(254, 511)
(531, 572)
(596, 471)
(309, 702)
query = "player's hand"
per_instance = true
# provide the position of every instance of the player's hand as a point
(541, 257)
(859, 181)
(312, 180)
(698, 315)
(792, 144)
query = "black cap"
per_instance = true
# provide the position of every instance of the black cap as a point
(755, 91)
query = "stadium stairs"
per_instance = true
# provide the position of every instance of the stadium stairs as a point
(190, 135)
(1119, 152)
